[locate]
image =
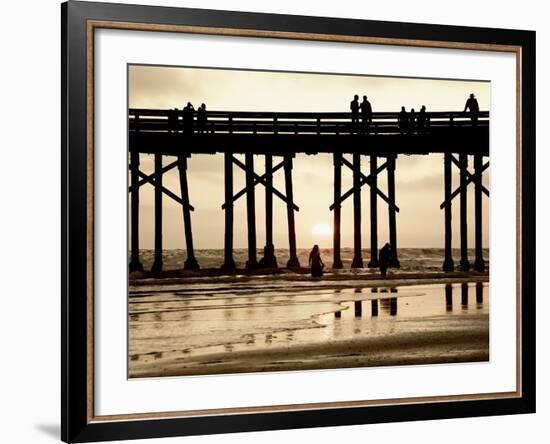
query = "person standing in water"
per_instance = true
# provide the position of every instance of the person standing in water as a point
(316, 262)
(384, 259)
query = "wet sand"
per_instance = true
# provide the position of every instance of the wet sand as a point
(212, 326)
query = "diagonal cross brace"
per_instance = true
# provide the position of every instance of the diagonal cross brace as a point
(150, 178)
(468, 174)
(470, 179)
(364, 180)
(256, 182)
(263, 181)
(165, 190)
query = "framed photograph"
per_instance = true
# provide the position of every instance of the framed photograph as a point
(276, 221)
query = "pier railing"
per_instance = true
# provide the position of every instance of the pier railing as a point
(322, 123)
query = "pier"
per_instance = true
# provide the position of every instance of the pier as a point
(276, 138)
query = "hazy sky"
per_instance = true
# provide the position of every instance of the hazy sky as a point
(419, 179)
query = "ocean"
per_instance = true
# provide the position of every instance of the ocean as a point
(412, 260)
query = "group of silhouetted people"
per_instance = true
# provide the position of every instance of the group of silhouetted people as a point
(188, 122)
(317, 265)
(363, 109)
(408, 122)
(411, 122)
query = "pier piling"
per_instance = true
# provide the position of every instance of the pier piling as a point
(293, 259)
(191, 262)
(135, 264)
(394, 260)
(250, 211)
(228, 263)
(373, 263)
(463, 163)
(157, 264)
(357, 255)
(479, 264)
(448, 264)
(337, 160)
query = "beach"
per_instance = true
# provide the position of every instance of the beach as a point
(209, 323)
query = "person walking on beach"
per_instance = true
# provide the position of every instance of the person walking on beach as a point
(316, 262)
(473, 106)
(366, 114)
(201, 119)
(188, 118)
(403, 120)
(354, 107)
(384, 259)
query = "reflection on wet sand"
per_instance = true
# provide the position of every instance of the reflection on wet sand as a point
(186, 331)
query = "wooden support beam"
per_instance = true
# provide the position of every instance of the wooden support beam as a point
(269, 260)
(357, 254)
(261, 179)
(470, 175)
(479, 264)
(151, 177)
(337, 259)
(293, 259)
(228, 263)
(364, 180)
(135, 264)
(167, 191)
(191, 262)
(394, 260)
(470, 179)
(252, 262)
(373, 263)
(157, 264)
(448, 264)
(464, 262)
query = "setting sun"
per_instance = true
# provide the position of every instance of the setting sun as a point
(322, 230)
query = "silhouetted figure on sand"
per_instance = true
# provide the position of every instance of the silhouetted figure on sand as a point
(354, 107)
(269, 260)
(316, 262)
(188, 118)
(403, 120)
(173, 120)
(421, 120)
(473, 106)
(384, 259)
(202, 117)
(412, 121)
(366, 113)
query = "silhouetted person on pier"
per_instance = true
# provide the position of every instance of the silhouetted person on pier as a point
(421, 120)
(473, 106)
(202, 117)
(173, 120)
(366, 113)
(412, 121)
(403, 120)
(188, 118)
(384, 259)
(354, 107)
(316, 262)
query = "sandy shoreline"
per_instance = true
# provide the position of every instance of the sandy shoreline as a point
(448, 346)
